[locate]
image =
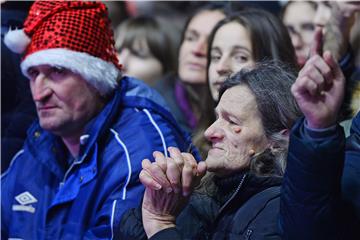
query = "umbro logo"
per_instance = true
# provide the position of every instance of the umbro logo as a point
(25, 199)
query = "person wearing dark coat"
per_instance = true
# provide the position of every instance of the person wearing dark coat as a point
(321, 188)
(239, 196)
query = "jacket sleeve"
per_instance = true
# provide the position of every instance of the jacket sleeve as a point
(108, 217)
(131, 226)
(351, 176)
(169, 233)
(311, 187)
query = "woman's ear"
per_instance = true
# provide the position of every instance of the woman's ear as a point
(282, 134)
(285, 132)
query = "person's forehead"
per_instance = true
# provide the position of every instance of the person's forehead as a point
(297, 12)
(232, 34)
(236, 99)
(204, 21)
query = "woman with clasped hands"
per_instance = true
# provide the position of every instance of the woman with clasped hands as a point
(239, 195)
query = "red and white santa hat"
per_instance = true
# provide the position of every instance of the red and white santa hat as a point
(72, 34)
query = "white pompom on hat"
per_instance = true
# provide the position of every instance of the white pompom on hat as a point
(17, 41)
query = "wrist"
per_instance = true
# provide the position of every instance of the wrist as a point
(319, 126)
(154, 223)
(319, 133)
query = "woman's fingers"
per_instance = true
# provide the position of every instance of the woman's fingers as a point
(173, 173)
(157, 174)
(179, 173)
(201, 169)
(160, 159)
(189, 174)
(146, 179)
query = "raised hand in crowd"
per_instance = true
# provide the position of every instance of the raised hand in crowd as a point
(319, 88)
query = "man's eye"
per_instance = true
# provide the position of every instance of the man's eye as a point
(33, 73)
(58, 70)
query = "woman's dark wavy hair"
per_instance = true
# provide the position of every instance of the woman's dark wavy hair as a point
(268, 35)
(270, 82)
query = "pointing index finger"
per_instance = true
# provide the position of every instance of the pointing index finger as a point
(317, 45)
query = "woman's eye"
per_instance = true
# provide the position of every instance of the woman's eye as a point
(190, 37)
(215, 58)
(140, 53)
(241, 58)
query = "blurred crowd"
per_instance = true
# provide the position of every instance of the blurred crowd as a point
(266, 95)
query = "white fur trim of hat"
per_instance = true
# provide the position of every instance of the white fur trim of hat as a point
(100, 74)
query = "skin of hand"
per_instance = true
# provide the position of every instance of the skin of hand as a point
(168, 183)
(319, 88)
(337, 31)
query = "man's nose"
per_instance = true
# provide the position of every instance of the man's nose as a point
(39, 88)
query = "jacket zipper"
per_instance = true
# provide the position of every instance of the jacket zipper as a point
(231, 198)
(69, 170)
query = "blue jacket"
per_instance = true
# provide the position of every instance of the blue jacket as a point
(44, 199)
(312, 206)
(351, 178)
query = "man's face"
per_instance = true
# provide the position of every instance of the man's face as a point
(65, 101)
(193, 49)
(237, 134)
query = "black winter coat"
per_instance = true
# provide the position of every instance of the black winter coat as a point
(246, 207)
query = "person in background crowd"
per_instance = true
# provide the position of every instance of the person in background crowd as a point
(147, 48)
(320, 196)
(78, 170)
(340, 25)
(240, 40)
(239, 197)
(118, 12)
(184, 90)
(298, 17)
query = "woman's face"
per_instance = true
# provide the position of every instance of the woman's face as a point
(140, 63)
(193, 50)
(231, 50)
(237, 134)
(299, 20)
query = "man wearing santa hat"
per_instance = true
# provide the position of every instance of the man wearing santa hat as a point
(78, 169)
